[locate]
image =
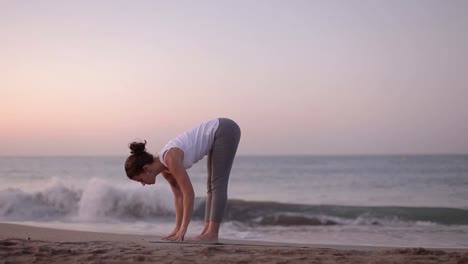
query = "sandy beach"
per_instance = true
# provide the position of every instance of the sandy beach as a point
(26, 244)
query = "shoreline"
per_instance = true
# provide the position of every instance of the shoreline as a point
(25, 244)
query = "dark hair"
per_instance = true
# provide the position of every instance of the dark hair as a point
(138, 158)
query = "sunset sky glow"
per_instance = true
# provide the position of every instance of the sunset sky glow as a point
(300, 77)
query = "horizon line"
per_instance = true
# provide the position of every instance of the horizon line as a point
(251, 155)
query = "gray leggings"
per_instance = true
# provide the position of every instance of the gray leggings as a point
(219, 163)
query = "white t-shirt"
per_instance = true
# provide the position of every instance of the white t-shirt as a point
(195, 143)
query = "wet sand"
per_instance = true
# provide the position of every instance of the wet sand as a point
(26, 244)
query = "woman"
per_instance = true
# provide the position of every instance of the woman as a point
(217, 138)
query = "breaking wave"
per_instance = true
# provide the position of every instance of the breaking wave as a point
(273, 213)
(101, 201)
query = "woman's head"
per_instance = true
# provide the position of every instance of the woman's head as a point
(138, 162)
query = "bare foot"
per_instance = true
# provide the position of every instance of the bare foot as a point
(204, 238)
(197, 237)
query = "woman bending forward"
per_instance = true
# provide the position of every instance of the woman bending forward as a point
(217, 138)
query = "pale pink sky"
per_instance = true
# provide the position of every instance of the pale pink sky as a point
(300, 77)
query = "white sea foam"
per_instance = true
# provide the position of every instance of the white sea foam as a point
(97, 201)
(101, 199)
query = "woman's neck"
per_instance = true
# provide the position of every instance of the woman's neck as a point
(157, 166)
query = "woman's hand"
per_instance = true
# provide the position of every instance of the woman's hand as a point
(180, 236)
(171, 236)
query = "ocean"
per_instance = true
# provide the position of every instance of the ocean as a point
(411, 201)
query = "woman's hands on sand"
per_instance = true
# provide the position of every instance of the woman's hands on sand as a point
(178, 234)
(171, 236)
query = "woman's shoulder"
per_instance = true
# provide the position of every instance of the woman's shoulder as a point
(174, 156)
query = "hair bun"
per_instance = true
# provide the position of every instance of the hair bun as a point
(137, 148)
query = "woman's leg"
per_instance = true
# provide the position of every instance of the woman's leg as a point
(222, 157)
(209, 193)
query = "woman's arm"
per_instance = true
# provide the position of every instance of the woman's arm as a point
(174, 160)
(177, 201)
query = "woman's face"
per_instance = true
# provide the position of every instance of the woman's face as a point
(145, 178)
